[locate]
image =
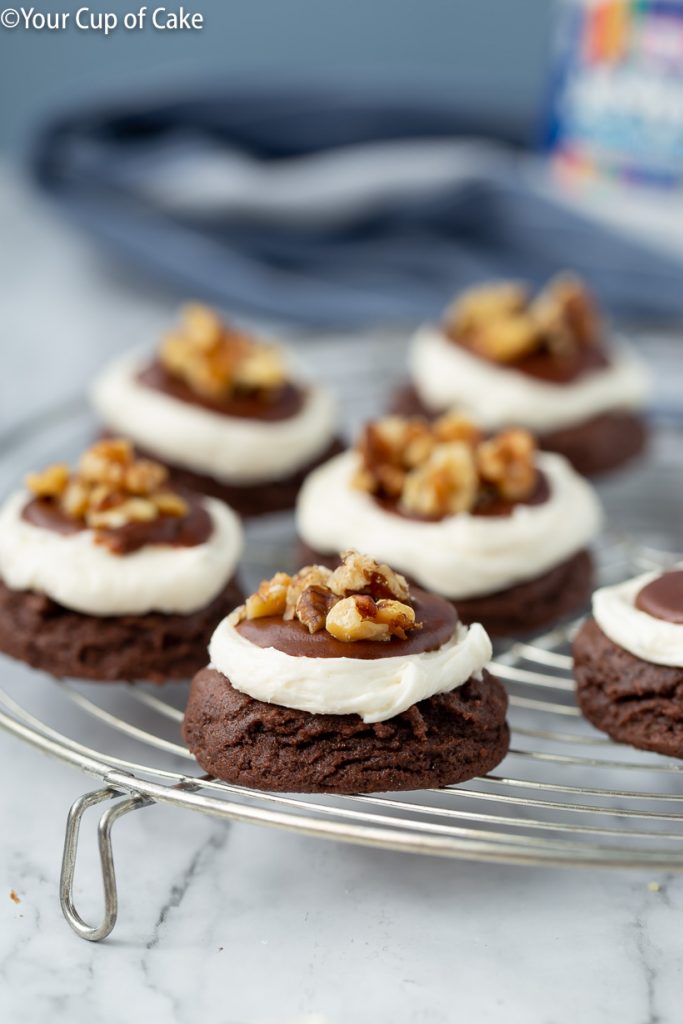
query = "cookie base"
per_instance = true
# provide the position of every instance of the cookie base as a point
(447, 739)
(597, 445)
(152, 648)
(632, 700)
(524, 608)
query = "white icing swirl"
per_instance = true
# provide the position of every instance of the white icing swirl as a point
(643, 635)
(445, 374)
(375, 689)
(86, 577)
(460, 556)
(230, 449)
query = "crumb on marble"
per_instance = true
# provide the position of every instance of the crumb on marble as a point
(13, 896)
(654, 886)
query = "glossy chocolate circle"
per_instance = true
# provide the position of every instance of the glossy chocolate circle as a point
(177, 531)
(663, 597)
(546, 367)
(438, 618)
(280, 404)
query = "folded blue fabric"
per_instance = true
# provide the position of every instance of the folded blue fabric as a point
(329, 208)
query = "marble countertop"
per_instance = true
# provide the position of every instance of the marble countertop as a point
(242, 925)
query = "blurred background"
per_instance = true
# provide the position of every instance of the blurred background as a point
(490, 54)
(331, 170)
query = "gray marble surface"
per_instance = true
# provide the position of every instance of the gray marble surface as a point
(243, 925)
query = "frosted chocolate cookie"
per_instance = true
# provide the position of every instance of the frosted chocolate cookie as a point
(345, 682)
(544, 363)
(223, 411)
(628, 662)
(110, 573)
(490, 523)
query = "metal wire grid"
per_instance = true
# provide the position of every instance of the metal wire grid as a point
(564, 795)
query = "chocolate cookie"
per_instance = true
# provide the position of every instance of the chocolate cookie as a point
(250, 500)
(632, 700)
(446, 739)
(601, 444)
(153, 647)
(598, 445)
(523, 608)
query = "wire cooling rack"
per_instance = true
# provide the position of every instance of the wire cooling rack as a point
(564, 795)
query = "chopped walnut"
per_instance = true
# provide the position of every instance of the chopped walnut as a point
(314, 605)
(110, 488)
(51, 482)
(359, 574)
(507, 339)
(566, 315)
(456, 465)
(106, 462)
(269, 599)
(76, 500)
(359, 617)
(454, 426)
(481, 304)
(144, 476)
(216, 360)
(371, 596)
(389, 447)
(501, 322)
(446, 484)
(309, 576)
(132, 510)
(507, 462)
(168, 503)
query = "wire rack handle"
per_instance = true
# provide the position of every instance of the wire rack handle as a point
(93, 933)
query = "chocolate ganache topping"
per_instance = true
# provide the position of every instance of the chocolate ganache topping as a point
(663, 597)
(124, 500)
(427, 471)
(362, 609)
(554, 337)
(209, 364)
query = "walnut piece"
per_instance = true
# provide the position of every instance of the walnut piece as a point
(506, 339)
(309, 576)
(110, 488)
(132, 510)
(269, 599)
(215, 360)
(51, 482)
(360, 574)
(389, 447)
(359, 617)
(314, 605)
(454, 426)
(566, 315)
(508, 462)
(481, 304)
(446, 484)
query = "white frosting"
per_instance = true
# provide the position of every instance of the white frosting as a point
(84, 576)
(445, 374)
(228, 448)
(375, 689)
(462, 555)
(643, 635)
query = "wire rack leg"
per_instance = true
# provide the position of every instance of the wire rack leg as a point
(106, 823)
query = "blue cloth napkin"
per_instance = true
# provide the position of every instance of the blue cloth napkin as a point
(328, 208)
